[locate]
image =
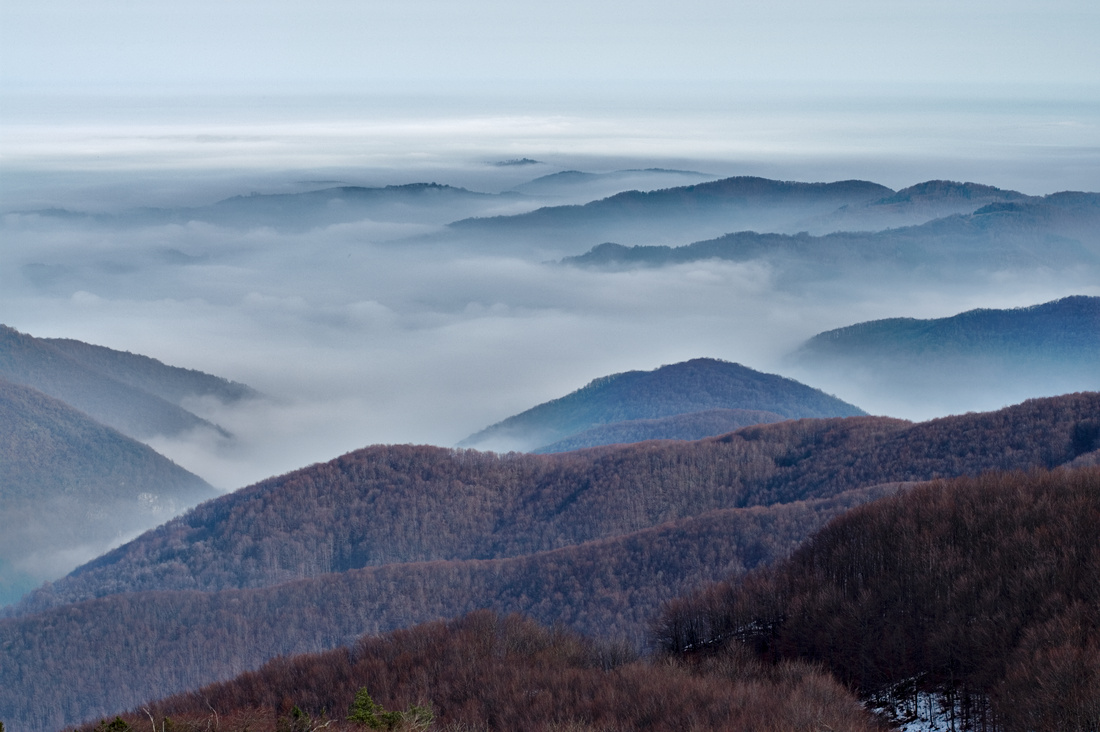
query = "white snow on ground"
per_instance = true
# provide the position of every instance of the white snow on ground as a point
(924, 712)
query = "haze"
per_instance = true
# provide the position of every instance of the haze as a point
(359, 336)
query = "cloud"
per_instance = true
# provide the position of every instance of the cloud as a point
(368, 332)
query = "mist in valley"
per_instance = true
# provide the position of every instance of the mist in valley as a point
(383, 325)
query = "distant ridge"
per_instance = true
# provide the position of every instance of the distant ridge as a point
(415, 203)
(673, 215)
(679, 389)
(575, 186)
(972, 360)
(1063, 329)
(1056, 231)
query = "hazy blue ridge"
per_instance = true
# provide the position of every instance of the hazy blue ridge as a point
(1059, 231)
(1068, 328)
(692, 386)
(71, 487)
(171, 383)
(742, 191)
(130, 409)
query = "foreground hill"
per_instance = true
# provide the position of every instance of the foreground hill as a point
(119, 651)
(487, 672)
(595, 540)
(139, 396)
(70, 488)
(1032, 351)
(984, 592)
(699, 385)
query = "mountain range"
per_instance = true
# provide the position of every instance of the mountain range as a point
(1056, 232)
(394, 535)
(768, 547)
(674, 214)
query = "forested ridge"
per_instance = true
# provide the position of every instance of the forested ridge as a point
(119, 650)
(486, 672)
(983, 590)
(402, 503)
(592, 539)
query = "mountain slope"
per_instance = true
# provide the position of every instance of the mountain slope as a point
(70, 372)
(121, 650)
(171, 383)
(964, 359)
(395, 504)
(71, 487)
(1066, 330)
(483, 671)
(692, 386)
(589, 539)
(984, 591)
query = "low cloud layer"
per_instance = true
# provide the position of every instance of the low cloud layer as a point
(359, 334)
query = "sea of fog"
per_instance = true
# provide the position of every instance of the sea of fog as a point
(358, 337)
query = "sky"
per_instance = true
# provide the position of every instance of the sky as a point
(437, 45)
(109, 105)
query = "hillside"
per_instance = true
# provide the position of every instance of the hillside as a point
(487, 672)
(439, 504)
(679, 389)
(122, 650)
(171, 383)
(71, 488)
(108, 385)
(390, 536)
(984, 591)
(1006, 354)
(1063, 331)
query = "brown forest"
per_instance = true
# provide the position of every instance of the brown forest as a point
(386, 537)
(486, 672)
(984, 590)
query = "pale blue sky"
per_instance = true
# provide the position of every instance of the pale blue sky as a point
(433, 45)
